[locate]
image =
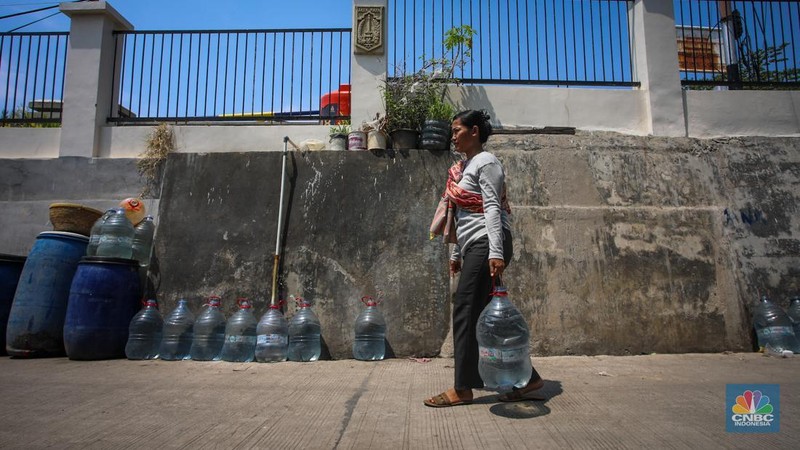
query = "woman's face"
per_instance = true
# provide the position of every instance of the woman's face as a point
(464, 138)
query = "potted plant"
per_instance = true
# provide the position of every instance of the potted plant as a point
(405, 110)
(436, 128)
(411, 99)
(338, 136)
(376, 133)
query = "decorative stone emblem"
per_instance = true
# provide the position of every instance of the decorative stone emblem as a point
(369, 30)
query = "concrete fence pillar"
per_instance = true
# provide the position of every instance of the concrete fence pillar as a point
(91, 81)
(369, 61)
(655, 52)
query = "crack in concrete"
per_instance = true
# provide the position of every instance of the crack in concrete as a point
(350, 406)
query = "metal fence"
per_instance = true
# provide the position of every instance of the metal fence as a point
(543, 42)
(231, 75)
(32, 77)
(739, 44)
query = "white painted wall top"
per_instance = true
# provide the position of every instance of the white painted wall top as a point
(99, 7)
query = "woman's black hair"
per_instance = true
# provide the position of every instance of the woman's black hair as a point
(471, 118)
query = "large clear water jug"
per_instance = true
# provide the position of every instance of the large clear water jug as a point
(209, 332)
(504, 356)
(240, 334)
(272, 336)
(794, 316)
(143, 241)
(370, 332)
(116, 236)
(304, 334)
(144, 332)
(178, 333)
(774, 329)
(94, 234)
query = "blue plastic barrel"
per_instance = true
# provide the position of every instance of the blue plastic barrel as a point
(10, 269)
(104, 296)
(36, 321)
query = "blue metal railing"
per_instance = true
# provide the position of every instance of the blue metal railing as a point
(32, 69)
(229, 75)
(537, 42)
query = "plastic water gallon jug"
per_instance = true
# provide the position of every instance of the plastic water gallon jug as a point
(272, 336)
(94, 234)
(144, 332)
(774, 329)
(370, 332)
(304, 334)
(209, 332)
(178, 333)
(504, 358)
(794, 315)
(116, 236)
(143, 241)
(240, 334)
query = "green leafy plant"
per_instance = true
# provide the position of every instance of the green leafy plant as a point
(343, 128)
(406, 102)
(440, 110)
(409, 99)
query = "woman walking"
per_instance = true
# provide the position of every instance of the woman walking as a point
(474, 215)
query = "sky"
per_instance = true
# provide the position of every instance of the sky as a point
(196, 14)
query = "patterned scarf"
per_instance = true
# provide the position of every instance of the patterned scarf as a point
(454, 195)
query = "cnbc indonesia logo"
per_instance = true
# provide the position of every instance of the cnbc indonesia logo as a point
(752, 410)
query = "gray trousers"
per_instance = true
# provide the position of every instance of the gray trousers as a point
(474, 292)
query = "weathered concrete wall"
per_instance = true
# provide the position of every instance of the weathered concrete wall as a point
(356, 223)
(630, 245)
(623, 244)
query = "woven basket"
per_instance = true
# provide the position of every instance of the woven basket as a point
(73, 217)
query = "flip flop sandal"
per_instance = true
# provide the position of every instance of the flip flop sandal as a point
(516, 395)
(442, 401)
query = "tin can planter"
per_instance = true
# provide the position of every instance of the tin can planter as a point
(338, 142)
(357, 140)
(376, 140)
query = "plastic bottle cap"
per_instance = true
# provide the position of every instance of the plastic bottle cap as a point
(243, 303)
(369, 300)
(214, 301)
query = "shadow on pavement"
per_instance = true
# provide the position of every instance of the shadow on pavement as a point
(526, 409)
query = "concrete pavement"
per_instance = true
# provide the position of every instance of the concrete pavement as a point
(653, 401)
